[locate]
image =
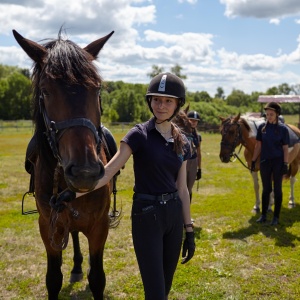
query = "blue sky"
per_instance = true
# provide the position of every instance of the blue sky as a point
(248, 45)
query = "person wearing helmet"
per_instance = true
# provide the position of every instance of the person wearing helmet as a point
(161, 205)
(272, 142)
(193, 165)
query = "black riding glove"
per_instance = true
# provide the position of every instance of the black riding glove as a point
(65, 196)
(188, 247)
(285, 169)
(253, 166)
(199, 174)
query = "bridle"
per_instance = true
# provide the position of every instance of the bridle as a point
(238, 138)
(55, 130)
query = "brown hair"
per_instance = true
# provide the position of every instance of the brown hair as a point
(178, 139)
(263, 130)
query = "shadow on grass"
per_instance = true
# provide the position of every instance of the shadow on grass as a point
(79, 295)
(282, 237)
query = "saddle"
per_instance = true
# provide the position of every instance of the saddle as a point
(294, 138)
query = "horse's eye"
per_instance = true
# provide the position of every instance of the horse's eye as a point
(45, 93)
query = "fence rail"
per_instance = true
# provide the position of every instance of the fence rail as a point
(19, 125)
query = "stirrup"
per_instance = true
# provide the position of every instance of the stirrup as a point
(29, 211)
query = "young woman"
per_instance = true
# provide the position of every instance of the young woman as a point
(161, 205)
(194, 163)
(272, 142)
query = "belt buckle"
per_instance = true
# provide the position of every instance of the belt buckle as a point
(162, 199)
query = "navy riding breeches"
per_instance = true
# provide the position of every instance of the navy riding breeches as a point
(157, 228)
(271, 171)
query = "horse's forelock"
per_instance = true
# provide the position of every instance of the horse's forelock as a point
(68, 62)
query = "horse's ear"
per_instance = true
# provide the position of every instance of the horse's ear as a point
(95, 47)
(35, 51)
(222, 118)
(187, 109)
(236, 118)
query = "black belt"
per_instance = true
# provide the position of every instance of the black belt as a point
(163, 197)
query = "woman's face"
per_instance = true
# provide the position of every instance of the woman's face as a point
(163, 107)
(271, 116)
(193, 123)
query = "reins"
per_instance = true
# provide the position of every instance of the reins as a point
(236, 155)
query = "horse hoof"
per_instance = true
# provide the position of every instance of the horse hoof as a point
(292, 205)
(256, 210)
(76, 277)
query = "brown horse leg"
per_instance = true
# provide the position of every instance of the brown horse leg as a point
(76, 273)
(96, 276)
(54, 277)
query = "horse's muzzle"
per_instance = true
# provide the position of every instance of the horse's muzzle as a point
(225, 158)
(83, 178)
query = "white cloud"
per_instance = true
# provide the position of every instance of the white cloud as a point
(188, 1)
(275, 21)
(261, 9)
(135, 46)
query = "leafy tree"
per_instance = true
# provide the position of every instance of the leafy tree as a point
(296, 89)
(155, 71)
(237, 98)
(220, 93)
(177, 71)
(284, 89)
(15, 97)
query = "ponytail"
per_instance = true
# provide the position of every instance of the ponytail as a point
(178, 139)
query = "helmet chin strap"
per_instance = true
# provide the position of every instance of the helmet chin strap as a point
(163, 120)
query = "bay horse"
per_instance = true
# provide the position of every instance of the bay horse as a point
(70, 154)
(241, 131)
(182, 121)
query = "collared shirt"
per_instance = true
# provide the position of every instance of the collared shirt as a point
(156, 164)
(272, 140)
(195, 139)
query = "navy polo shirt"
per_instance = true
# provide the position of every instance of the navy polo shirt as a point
(195, 140)
(156, 164)
(272, 140)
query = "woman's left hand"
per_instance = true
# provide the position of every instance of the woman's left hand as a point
(188, 247)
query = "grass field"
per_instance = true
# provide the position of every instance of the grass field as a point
(235, 257)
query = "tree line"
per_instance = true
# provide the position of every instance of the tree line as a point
(125, 102)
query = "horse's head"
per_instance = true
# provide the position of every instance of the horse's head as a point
(231, 137)
(182, 121)
(66, 87)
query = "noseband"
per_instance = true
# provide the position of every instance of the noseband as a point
(237, 139)
(55, 130)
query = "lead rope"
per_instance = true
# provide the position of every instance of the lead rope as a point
(54, 216)
(236, 155)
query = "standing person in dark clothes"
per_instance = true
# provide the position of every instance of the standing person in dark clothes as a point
(272, 142)
(194, 163)
(161, 204)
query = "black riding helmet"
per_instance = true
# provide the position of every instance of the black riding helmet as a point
(169, 85)
(273, 106)
(193, 115)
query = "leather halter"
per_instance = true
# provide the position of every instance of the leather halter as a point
(237, 139)
(55, 130)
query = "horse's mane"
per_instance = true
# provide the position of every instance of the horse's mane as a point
(69, 65)
(182, 121)
(251, 123)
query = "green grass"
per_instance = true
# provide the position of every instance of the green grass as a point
(235, 257)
